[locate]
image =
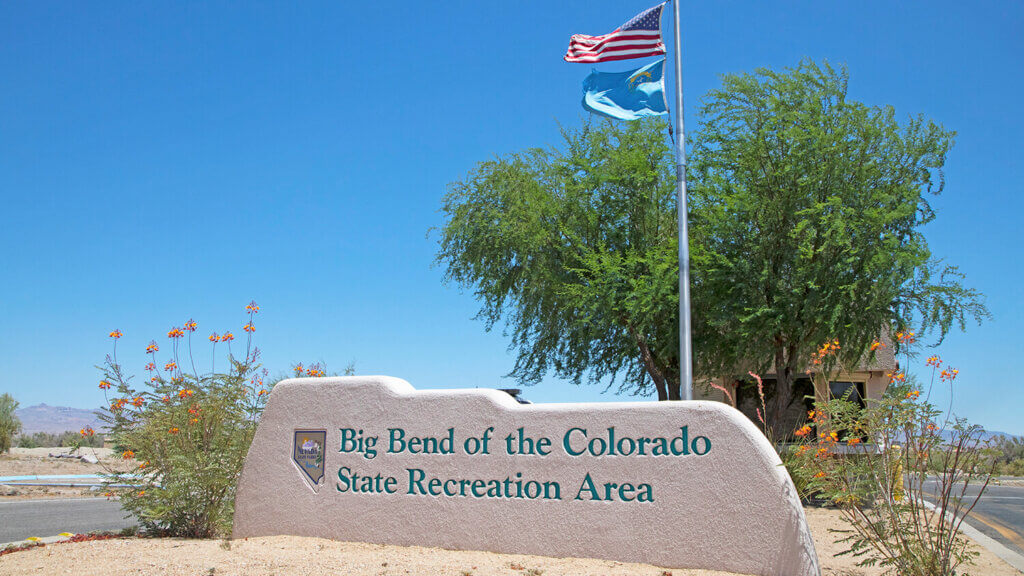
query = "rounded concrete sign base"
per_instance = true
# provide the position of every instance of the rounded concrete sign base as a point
(370, 459)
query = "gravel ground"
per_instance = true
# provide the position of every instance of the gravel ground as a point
(282, 555)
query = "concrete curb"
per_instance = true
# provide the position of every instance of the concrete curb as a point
(1005, 554)
(34, 540)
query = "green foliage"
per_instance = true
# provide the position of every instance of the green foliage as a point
(10, 426)
(188, 435)
(892, 470)
(1009, 456)
(68, 438)
(806, 215)
(575, 248)
(806, 224)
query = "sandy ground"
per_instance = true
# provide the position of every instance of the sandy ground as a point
(282, 555)
(36, 461)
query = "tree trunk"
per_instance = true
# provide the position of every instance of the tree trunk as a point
(651, 365)
(783, 389)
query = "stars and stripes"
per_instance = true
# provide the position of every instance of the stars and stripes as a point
(638, 38)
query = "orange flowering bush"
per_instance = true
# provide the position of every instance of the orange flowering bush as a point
(898, 469)
(191, 430)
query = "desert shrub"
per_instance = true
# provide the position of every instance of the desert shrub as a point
(9, 423)
(188, 432)
(64, 439)
(1009, 456)
(876, 464)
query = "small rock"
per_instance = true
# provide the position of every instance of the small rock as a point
(90, 459)
(6, 490)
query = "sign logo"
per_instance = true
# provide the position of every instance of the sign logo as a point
(308, 453)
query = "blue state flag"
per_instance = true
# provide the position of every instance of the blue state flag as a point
(627, 95)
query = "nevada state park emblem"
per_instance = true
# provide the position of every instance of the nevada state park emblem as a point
(308, 453)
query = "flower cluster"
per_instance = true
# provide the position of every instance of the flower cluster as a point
(875, 345)
(87, 432)
(906, 337)
(153, 348)
(116, 334)
(899, 377)
(949, 374)
(175, 333)
(190, 325)
(825, 350)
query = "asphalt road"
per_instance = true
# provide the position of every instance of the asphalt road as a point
(999, 514)
(20, 519)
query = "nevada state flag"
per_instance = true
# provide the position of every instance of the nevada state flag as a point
(629, 95)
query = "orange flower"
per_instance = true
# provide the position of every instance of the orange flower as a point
(185, 393)
(906, 337)
(949, 374)
(833, 436)
(213, 338)
(173, 431)
(819, 475)
(194, 420)
(87, 431)
(190, 325)
(249, 327)
(195, 409)
(298, 369)
(932, 428)
(262, 392)
(898, 377)
(152, 347)
(803, 431)
(934, 361)
(811, 415)
(252, 308)
(853, 441)
(116, 334)
(170, 365)
(876, 345)
(913, 394)
(104, 385)
(138, 401)
(144, 464)
(150, 367)
(227, 337)
(141, 493)
(166, 399)
(127, 454)
(175, 333)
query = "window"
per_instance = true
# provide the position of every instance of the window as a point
(852, 391)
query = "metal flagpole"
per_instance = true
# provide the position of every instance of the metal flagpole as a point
(685, 342)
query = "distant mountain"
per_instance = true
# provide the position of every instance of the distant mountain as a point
(56, 419)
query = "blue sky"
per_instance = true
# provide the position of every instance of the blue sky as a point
(161, 161)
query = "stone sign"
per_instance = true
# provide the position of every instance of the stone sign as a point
(370, 459)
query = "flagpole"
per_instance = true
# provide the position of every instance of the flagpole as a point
(685, 341)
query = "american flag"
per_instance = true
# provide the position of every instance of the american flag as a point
(638, 38)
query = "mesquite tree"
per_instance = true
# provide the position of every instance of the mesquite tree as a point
(806, 216)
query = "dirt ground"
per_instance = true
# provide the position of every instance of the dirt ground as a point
(282, 555)
(37, 461)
